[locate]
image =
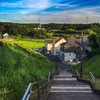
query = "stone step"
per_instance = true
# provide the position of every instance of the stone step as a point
(65, 79)
(64, 73)
(71, 82)
(73, 96)
(70, 87)
(72, 91)
(63, 76)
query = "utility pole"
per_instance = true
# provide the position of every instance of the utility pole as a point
(40, 26)
(87, 20)
(81, 67)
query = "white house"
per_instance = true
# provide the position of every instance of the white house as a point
(71, 50)
(5, 36)
(53, 45)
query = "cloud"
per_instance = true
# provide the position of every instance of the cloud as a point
(64, 6)
(61, 11)
(76, 16)
(36, 4)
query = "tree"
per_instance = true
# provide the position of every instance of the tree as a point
(1, 29)
(90, 31)
(93, 40)
(96, 29)
(38, 33)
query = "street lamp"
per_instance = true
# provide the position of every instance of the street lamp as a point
(81, 67)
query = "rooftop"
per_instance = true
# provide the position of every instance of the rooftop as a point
(53, 40)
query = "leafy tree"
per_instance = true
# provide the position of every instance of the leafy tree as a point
(96, 29)
(2, 28)
(38, 33)
(90, 31)
(93, 41)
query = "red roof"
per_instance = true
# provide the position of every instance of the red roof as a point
(52, 40)
(49, 41)
(57, 40)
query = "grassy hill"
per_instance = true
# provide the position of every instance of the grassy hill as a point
(91, 65)
(19, 67)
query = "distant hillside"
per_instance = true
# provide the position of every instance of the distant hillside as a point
(19, 67)
(92, 65)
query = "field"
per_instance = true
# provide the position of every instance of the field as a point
(28, 43)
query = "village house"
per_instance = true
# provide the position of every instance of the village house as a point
(5, 36)
(71, 50)
(53, 45)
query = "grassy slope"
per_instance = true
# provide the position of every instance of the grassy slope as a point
(19, 68)
(92, 65)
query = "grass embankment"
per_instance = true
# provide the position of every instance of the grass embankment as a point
(18, 68)
(91, 65)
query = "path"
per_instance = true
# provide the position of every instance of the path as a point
(66, 87)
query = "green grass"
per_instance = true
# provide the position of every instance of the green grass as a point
(29, 43)
(19, 67)
(91, 65)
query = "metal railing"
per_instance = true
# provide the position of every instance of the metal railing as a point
(92, 79)
(37, 89)
(77, 73)
(87, 76)
(27, 93)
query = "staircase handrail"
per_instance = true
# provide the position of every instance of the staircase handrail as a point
(77, 73)
(92, 78)
(29, 91)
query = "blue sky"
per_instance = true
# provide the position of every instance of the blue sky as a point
(50, 11)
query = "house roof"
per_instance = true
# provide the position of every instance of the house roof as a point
(72, 45)
(57, 40)
(77, 50)
(71, 42)
(49, 41)
(52, 40)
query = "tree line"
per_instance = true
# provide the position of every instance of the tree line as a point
(48, 30)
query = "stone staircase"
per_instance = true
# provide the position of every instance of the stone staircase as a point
(66, 87)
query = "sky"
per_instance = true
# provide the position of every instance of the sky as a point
(50, 11)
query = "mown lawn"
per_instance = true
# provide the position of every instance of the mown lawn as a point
(33, 43)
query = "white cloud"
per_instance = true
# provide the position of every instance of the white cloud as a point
(36, 4)
(25, 19)
(61, 17)
(33, 6)
(76, 16)
(62, 6)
